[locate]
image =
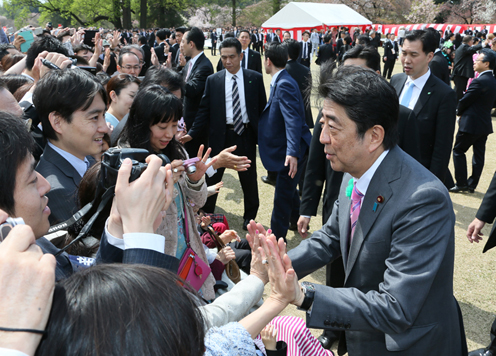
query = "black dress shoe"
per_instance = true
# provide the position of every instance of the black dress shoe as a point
(246, 222)
(481, 352)
(327, 339)
(459, 189)
(471, 190)
(267, 180)
(293, 227)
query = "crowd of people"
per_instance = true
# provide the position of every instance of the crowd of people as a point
(113, 146)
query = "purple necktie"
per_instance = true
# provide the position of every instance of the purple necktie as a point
(356, 198)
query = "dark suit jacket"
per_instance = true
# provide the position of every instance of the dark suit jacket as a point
(388, 53)
(254, 62)
(159, 51)
(284, 113)
(174, 49)
(151, 39)
(326, 52)
(464, 64)
(435, 113)
(211, 116)
(309, 44)
(439, 67)
(487, 213)
(64, 180)
(194, 87)
(303, 77)
(476, 104)
(402, 247)
(146, 59)
(107, 253)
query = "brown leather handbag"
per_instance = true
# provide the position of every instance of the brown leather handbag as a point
(232, 268)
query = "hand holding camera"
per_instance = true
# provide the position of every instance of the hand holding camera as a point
(201, 166)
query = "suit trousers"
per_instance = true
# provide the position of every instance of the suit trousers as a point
(388, 68)
(213, 50)
(306, 62)
(261, 46)
(286, 200)
(246, 146)
(463, 141)
(460, 86)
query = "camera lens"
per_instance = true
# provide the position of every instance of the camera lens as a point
(191, 169)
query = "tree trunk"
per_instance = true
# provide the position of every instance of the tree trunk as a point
(143, 13)
(126, 14)
(234, 13)
(161, 16)
(116, 14)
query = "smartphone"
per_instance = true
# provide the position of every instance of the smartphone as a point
(29, 37)
(92, 70)
(89, 35)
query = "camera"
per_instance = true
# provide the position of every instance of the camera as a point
(8, 225)
(112, 160)
(190, 165)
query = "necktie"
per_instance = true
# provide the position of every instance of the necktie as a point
(305, 50)
(189, 70)
(243, 62)
(356, 198)
(237, 118)
(408, 95)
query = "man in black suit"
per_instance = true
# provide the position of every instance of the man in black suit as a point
(302, 75)
(306, 49)
(463, 67)
(390, 55)
(269, 36)
(174, 47)
(475, 122)
(439, 65)
(180, 31)
(254, 40)
(261, 36)
(277, 36)
(24, 195)
(73, 124)
(162, 48)
(326, 51)
(340, 43)
(151, 38)
(229, 111)
(468, 31)
(485, 215)
(213, 38)
(251, 59)
(432, 101)
(375, 39)
(195, 74)
(148, 55)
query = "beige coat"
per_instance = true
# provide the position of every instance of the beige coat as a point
(194, 194)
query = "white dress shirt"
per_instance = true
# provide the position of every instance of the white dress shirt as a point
(79, 165)
(363, 182)
(229, 98)
(418, 85)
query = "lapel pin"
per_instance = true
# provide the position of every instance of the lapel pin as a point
(380, 200)
(429, 93)
(349, 188)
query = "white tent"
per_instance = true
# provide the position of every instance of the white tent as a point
(308, 15)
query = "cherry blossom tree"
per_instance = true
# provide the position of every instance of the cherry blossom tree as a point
(423, 11)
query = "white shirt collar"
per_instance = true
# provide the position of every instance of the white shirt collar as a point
(274, 78)
(194, 59)
(363, 182)
(79, 165)
(420, 81)
(238, 74)
(486, 71)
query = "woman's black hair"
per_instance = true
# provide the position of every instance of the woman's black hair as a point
(153, 105)
(123, 310)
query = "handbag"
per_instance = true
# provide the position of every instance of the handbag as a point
(232, 268)
(191, 267)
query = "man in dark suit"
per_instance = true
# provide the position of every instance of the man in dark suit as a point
(475, 122)
(326, 51)
(254, 40)
(73, 124)
(162, 48)
(378, 226)
(439, 64)
(375, 39)
(174, 48)
(25, 197)
(229, 111)
(261, 36)
(463, 66)
(213, 38)
(277, 36)
(283, 138)
(390, 55)
(151, 38)
(251, 59)
(340, 43)
(485, 215)
(302, 75)
(148, 55)
(195, 74)
(269, 37)
(432, 101)
(306, 49)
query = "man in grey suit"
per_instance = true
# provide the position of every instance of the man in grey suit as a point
(74, 125)
(393, 224)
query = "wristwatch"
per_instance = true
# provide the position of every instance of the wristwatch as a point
(308, 290)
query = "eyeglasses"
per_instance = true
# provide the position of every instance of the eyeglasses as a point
(132, 67)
